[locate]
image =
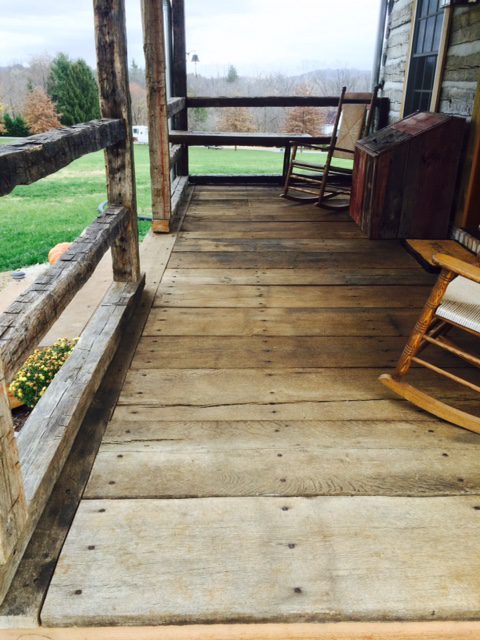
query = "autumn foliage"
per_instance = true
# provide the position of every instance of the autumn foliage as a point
(39, 112)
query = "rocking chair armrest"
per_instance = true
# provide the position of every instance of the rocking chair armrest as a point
(460, 267)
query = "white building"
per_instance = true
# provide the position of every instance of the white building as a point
(140, 134)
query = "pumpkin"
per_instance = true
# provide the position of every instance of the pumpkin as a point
(57, 251)
(13, 401)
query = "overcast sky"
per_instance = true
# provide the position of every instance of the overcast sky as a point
(257, 36)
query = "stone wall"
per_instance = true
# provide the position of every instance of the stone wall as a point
(462, 67)
(396, 53)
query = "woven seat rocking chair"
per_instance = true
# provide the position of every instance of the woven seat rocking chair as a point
(453, 302)
(328, 183)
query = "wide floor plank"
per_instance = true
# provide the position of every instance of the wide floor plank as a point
(283, 459)
(325, 275)
(268, 559)
(247, 321)
(224, 295)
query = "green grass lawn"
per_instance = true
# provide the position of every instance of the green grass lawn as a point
(56, 209)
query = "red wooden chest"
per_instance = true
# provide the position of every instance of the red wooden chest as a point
(405, 175)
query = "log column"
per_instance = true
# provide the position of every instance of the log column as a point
(13, 509)
(112, 65)
(180, 76)
(154, 47)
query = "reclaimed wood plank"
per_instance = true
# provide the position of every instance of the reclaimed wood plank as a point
(227, 229)
(38, 156)
(347, 245)
(248, 321)
(250, 352)
(445, 630)
(283, 459)
(201, 387)
(276, 259)
(316, 559)
(223, 295)
(322, 275)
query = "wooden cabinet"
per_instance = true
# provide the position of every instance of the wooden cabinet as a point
(405, 175)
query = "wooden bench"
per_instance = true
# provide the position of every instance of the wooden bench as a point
(230, 139)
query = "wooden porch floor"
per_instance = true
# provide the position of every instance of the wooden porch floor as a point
(254, 469)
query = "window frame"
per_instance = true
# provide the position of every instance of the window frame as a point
(441, 57)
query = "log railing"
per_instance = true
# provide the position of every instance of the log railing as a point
(31, 463)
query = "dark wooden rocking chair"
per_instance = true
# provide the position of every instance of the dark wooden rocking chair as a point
(328, 184)
(453, 302)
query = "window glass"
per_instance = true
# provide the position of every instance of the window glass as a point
(428, 30)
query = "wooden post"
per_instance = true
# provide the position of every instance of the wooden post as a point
(154, 46)
(180, 76)
(13, 508)
(112, 65)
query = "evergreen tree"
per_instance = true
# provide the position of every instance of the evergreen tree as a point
(15, 127)
(39, 112)
(232, 74)
(73, 89)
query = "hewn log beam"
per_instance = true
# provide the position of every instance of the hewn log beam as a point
(159, 148)
(38, 156)
(112, 66)
(13, 511)
(179, 189)
(176, 105)
(29, 318)
(175, 152)
(179, 70)
(281, 101)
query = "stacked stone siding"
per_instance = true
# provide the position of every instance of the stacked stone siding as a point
(462, 66)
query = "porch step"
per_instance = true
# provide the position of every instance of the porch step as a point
(151, 562)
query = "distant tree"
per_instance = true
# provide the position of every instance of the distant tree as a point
(304, 119)
(73, 89)
(2, 126)
(232, 74)
(136, 74)
(237, 119)
(39, 112)
(197, 118)
(15, 126)
(138, 95)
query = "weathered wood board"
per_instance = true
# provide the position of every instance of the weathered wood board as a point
(221, 295)
(322, 275)
(249, 352)
(229, 229)
(273, 258)
(248, 321)
(268, 559)
(284, 459)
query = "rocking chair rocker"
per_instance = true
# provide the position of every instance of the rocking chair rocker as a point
(328, 184)
(453, 302)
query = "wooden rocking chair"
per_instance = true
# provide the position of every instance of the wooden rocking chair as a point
(453, 302)
(329, 184)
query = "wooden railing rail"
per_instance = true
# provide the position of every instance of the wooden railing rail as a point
(32, 314)
(38, 156)
(281, 101)
(175, 106)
